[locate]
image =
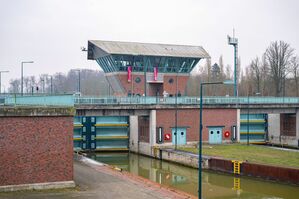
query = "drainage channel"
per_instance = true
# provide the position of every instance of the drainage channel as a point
(183, 178)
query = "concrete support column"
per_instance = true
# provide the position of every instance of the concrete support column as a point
(274, 128)
(152, 129)
(134, 138)
(238, 125)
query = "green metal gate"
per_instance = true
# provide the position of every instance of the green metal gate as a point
(253, 127)
(101, 133)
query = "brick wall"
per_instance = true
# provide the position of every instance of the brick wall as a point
(171, 87)
(138, 88)
(190, 118)
(36, 149)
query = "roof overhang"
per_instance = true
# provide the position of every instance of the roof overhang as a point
(99, 48)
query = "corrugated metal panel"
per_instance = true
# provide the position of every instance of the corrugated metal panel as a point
(149, 49)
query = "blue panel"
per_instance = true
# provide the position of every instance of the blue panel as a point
(112, 131)
(111, 119)
(256, 127)
(181, 136)
(215, 135)
(108, 144)
(77, 144)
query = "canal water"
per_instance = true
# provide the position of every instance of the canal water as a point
(215, 185)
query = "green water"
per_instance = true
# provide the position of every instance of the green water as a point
(215, 185)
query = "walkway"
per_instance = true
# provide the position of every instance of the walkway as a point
(99, 181)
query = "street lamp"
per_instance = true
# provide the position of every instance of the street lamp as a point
(226, 82)
(22, 63)
(234, 42)
(0, 78)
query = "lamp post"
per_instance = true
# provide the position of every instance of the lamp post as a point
(0, 78)
(22, 63)
(226, 82)
(234, 42)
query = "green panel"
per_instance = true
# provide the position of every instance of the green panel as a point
(112, 144)
(111, 119)
(112, 132)
(254, 128)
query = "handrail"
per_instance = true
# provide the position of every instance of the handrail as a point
(71, 100)
(185, 100)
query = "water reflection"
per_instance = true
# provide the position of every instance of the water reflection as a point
(183, 178)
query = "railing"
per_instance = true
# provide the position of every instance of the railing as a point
(186, 100)
(70, 100)
(39, 100)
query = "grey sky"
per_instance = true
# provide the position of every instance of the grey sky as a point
(50, 32)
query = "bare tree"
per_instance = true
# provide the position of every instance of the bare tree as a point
(14, 86)
(265, 76)
(278, 56)
(221, 65)
(294, 63)
(255, 67)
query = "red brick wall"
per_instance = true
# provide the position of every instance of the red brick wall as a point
(138, 88)
(171, 88)
(190, 118)
(35, 150)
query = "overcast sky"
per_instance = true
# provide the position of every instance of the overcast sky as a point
(51, 32)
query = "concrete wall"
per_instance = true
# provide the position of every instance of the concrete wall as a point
(152, 127)
(133, 133)
(145, 148)
(274, 128)
(184, 158)
(36, 147)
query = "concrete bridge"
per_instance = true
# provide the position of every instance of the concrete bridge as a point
(148, 119)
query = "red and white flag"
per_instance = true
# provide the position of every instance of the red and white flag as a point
(155, 73)
(129, 73)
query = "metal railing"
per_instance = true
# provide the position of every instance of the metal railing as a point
(71, 100)
(38, 100)
(185, 100)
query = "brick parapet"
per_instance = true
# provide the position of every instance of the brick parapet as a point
(36, 149)
(36, 111)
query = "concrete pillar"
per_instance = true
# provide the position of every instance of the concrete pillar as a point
(134, 134)
(274, 128)
(238, 125)
(152, 129)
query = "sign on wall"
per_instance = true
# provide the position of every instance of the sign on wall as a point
(129, 73)
(155, 73)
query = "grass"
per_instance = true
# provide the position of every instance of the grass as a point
(251, 153)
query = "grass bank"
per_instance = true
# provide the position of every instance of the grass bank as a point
(251, 153)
